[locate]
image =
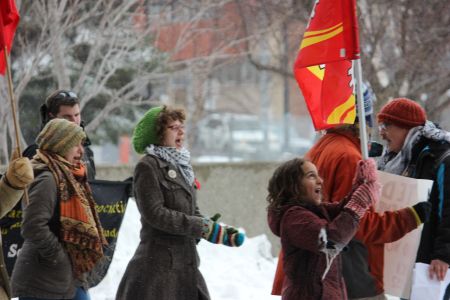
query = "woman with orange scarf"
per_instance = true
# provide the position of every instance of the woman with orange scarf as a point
(62, 233)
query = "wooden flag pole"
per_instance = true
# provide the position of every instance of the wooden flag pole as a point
(361, 114)
(11, 97)
(13, 108)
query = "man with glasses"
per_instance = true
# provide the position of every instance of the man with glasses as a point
(336, 155)
(64, 104)
(419, 149)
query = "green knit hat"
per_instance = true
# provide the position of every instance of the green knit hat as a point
(145, 131)
(59, 136)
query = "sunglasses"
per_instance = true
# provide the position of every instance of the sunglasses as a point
(66, 94)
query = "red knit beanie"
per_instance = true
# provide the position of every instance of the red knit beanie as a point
(402, 112)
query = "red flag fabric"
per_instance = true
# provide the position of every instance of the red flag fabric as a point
(323, 68)
(9, 18)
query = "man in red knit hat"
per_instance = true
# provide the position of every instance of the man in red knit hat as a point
(419, 149)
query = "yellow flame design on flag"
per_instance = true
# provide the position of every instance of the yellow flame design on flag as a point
(336, 114)
(317, 71)
(310, 37)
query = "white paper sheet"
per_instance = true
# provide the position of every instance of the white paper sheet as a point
(399, 257)
(425, 288)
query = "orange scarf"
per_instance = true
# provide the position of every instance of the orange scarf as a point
(81, 233)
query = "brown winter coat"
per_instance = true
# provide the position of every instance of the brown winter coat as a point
(304, 263)
(8, 199)
(43, 268)
(165, 264)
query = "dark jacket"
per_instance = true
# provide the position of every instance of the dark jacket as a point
(43, 268)
(165, 264)
(299, 228)
(435, 239)
(8, 199)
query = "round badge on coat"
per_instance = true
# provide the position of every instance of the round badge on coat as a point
(172, 174)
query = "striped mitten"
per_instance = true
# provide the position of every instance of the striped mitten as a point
(221, 234)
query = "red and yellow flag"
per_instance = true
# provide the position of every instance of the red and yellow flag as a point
(323, 68)
(9, 18)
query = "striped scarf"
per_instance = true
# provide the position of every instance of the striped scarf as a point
(180, 159)
(81, 233)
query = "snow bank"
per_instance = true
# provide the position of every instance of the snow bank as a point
(230, 273)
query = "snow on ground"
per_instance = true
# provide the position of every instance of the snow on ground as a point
(230, 273)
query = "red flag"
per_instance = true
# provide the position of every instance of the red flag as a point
(323, 68)
(9, 18)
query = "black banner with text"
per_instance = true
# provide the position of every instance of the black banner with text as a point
(111, 198)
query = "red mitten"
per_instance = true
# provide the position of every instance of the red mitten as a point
(366, 171)
(365, 195)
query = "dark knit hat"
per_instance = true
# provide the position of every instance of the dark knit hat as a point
(145, 131)
(402, 112)
(59, 136)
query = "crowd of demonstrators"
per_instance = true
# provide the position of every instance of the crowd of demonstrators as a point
(63, 236)
(172, 225)
(315, 218)
(418, 148)
(18, 175)
(313, 233)
(64, 104)
(336, 155)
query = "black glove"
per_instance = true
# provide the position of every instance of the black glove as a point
(216, 217)
(375, 150)
(423, 211)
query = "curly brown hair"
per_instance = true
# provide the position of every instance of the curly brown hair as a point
(167, 115)
(284, 185)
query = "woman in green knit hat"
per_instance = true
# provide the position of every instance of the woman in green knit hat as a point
(165, 264)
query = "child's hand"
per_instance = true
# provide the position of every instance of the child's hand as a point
(366, 171)
(365, 196)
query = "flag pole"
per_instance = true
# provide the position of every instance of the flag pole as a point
(11, 97)
(361, 115)
(13, 108)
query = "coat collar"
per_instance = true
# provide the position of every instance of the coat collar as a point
(168, 171)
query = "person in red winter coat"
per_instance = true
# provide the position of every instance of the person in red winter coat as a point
(314, 233)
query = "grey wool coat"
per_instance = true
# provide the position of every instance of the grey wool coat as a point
(165, 264)
(43, 268)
